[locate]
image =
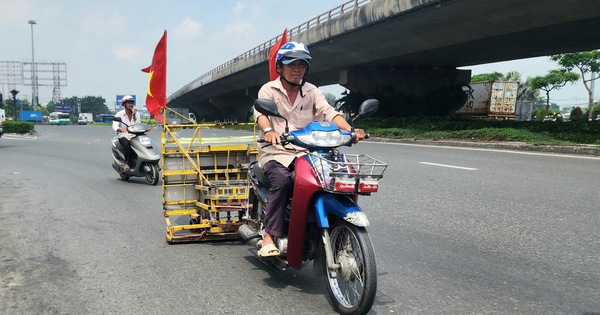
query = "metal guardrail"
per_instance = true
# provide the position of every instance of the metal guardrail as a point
(325, 17)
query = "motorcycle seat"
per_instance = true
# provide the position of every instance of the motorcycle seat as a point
(260, 175)
(262, 178)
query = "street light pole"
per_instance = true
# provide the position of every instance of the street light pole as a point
(33, 72)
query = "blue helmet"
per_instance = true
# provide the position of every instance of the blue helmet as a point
(293, 51)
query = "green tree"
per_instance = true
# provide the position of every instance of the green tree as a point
(13, 108)
(50, 106)
(330, 98)
(486, 77)
(526, 92)
(539, 105)
(588, 62)
(576, 114)
(555, 79)
(89, 104)
(512, 76)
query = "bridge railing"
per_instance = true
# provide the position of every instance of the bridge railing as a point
(325, 17)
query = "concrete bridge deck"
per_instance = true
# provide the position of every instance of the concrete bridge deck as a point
(391, 35)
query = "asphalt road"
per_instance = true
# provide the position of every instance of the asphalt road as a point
(456, 231)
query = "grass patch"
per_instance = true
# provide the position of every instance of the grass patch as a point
(543, 133)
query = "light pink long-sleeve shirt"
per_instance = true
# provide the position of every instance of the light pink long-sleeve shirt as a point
(312, 107)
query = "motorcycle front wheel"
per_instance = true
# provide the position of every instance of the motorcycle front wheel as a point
(353, 286)
(152, 175)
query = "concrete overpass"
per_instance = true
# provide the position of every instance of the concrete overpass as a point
(404, 45)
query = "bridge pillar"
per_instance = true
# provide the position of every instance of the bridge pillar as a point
(205, 111)
(234, 106)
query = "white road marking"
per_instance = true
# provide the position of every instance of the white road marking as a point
(449, 166)
(507, 150)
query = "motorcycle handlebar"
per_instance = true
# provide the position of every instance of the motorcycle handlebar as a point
(290, 138)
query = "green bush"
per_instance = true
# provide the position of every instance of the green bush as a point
(20, 127)
(548, 132)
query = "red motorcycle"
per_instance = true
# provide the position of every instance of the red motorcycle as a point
(325, 223)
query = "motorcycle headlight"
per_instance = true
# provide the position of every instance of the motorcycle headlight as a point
(331, 139)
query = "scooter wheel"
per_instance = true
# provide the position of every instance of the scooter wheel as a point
(152, 175)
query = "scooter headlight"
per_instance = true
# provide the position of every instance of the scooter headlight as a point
(145, 141)
(325, 139)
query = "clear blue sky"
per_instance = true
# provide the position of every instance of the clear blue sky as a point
(106, 43)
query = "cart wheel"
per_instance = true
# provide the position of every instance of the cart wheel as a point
(192, 222)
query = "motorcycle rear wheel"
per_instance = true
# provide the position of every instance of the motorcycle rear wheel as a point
(152, 175)
(351, 288)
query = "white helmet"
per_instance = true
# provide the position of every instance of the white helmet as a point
(127, 98)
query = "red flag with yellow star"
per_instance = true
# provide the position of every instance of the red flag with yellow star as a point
(156, 99)
(273, 55)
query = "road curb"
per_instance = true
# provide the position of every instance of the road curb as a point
(591, 150)
(19, 136)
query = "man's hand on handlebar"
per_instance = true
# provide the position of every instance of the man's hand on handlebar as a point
(272, 137)
(360, 135)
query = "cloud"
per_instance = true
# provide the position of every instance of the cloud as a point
(188, 28)
(244, 21)
(127, 52)
(239, 8)
(15, 11)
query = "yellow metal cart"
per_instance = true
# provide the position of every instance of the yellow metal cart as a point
(204, 181)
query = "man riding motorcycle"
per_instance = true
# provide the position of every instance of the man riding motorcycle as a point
(300, 103)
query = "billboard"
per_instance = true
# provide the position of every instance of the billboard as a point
(63, 107)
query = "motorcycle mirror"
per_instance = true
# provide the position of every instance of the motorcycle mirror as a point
(367, 108)
(267, 107)
(117, 119)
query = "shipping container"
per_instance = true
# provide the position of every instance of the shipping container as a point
(30, 115)
(491, 99)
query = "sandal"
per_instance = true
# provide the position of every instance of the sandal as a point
(269, 251)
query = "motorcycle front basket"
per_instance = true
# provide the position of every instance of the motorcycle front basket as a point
(352, 173)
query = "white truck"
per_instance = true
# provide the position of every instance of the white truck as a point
(85, 118)
(2, 118)
(174, 119)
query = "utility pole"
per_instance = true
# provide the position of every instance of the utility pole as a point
(591, 115)
(33, 72)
